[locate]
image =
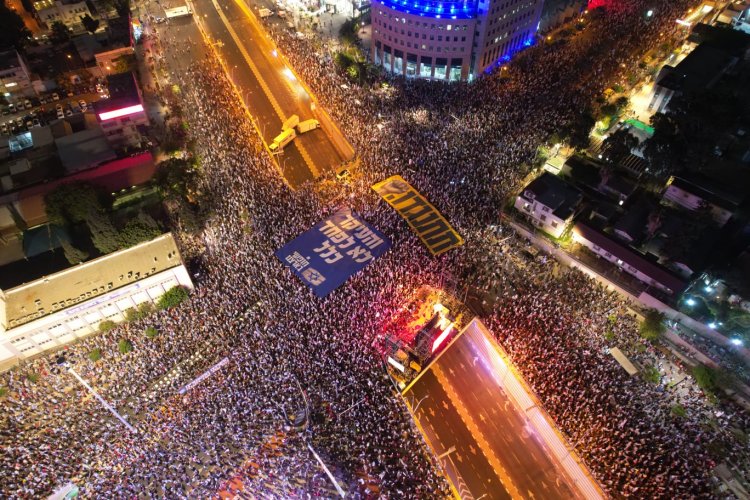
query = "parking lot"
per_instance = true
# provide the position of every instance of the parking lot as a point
(21, 114)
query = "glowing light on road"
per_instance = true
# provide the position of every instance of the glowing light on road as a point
(274, 53)
(682, 22)
(441, 338)
(130, 110)
(736, 341)
(288, 73)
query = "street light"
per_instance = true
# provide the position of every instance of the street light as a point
(61, 361)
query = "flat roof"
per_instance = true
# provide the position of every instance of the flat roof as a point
(75, 284)
(123, 92)
(84, 149)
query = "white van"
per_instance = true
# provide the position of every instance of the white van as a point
(307, 125)
(282, 140)
(290, 122)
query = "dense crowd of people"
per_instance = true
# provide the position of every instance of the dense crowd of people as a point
(462, 147)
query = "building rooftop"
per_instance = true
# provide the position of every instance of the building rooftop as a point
(123, 93)
(553, 192)
(708, 192)
(37, 298)
(9, 59)
(85, 149)
(732, 41)
(698, 70)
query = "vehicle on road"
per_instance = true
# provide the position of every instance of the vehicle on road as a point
(27, 104)
(290, 122)
(282, 140)
(60, 114)
(307, 125)
(12, 108)
(264, 13)
(83, 105)
(55, 97)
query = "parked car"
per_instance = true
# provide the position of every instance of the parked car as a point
(12, 108)
(28, 104)
(60, 114)
(83, 105)
(55, 97)
(35, 123)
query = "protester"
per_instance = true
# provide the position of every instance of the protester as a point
(461, 146)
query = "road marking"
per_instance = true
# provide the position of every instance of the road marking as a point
(484, 445)
(263, 84)
(251, 17)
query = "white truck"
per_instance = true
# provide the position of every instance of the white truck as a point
(264, 13)
(307, 125)
(290, 123)
(282, 140)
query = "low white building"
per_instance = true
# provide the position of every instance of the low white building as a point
(549, 203)
(68, 12)
(52, 311)
(15, 79)
(693, 197)
(628, 260)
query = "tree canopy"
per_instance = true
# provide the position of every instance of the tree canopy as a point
(59, 33)
(71, 203)
(90, 23)
(619, 144)
(13, 33)
(652, 327)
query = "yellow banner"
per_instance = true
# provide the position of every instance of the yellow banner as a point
(431, 227)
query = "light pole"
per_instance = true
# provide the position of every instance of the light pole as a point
(101, 400)
(328, 472)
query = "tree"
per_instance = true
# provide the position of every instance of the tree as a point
(151, 332)
(172, 297)
(104, 236)
(106, 325)
(177, 178)
(73, 254)
(13, 33)
(90, 23)
(59, 33)
(618, 145)
(95, 355)
(652, 327)
(577, 132)
(706, 378)
(71, 203)
(139, 229)
(124, 346)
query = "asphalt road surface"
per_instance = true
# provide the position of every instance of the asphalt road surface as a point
(461, 407)
(310, 154)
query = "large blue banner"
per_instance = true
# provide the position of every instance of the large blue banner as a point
(326, 255)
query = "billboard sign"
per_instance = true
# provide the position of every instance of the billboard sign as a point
(327, 254)
(431, 227)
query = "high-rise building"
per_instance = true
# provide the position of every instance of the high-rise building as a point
(450, 39)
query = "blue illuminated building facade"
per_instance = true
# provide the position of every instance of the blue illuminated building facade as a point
(450, 40)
